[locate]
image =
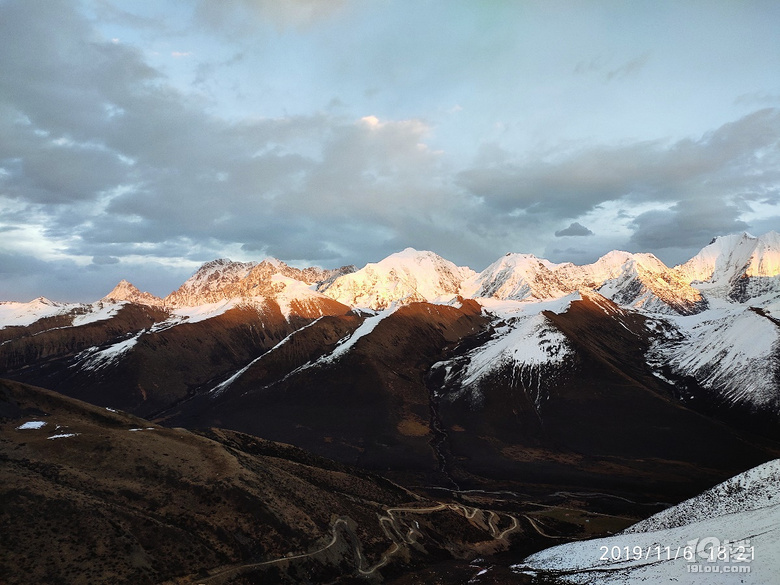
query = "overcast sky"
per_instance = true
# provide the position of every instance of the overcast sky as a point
(141, 139)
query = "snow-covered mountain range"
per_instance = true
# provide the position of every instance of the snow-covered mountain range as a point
(711, 322)
(623, 374)
(709, 326)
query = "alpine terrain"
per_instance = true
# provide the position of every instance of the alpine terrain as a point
(523, 406)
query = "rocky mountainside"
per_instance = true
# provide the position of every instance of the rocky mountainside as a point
(527, 369)
(125, 291)
(224, 279)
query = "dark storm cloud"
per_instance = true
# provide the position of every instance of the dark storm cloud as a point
(686, 224)
(574, 229)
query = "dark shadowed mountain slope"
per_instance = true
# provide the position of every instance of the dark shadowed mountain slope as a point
(423, 393)
(590, 415)
(145, 359)
(363, 400)
(90, 495)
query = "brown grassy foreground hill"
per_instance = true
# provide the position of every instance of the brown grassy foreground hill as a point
(89, 495)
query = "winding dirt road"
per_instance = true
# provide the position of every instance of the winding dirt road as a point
(400, 533)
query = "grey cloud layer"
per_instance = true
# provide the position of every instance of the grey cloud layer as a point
(100, 152)
(700, 182)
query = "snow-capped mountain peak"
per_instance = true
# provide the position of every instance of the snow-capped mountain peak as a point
(721, 261)
(517, 277)
(638, 280)
(254, 283)
(736, 267)
(765, 259)
(21, 314)
(403, 277)
(125, 291)
(208, 282)
(646, 282)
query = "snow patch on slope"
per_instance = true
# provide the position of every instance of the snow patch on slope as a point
(99, 311)
(366, 327)
(742, 515)
(525, 343)
(295, 297)
(96, 359)
(222, 386)
(729, 349)
(197, 313)
(32, 424)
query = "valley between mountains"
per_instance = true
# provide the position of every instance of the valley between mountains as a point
(411, 419)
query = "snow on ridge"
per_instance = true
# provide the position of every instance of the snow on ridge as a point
(15, 314)
(739, 518)
(751, 490)
(648, 284)
(721, 258)
(637, 280)
(96, 359)
(98, 311)
(508, 308)
(593, 275)
(517, 277)
(729, 349)
(201, 312)
(294, 292)
(63, 436)
(206, 284)
(222, 386)
(366, 327)
(25, 314)
(737, 266)
(348, 342)
(524, 341)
